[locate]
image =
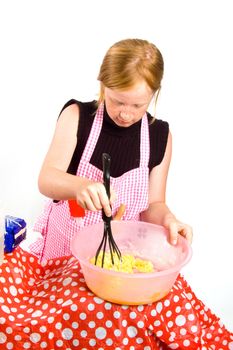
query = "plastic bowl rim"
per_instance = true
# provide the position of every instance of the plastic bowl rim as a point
(166, 272)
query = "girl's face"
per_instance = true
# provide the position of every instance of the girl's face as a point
(128, 107)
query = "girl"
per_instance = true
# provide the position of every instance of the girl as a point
(53, 308)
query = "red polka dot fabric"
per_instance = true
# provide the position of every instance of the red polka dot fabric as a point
(48, 306)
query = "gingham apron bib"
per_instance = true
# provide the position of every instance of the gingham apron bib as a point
(56, 224)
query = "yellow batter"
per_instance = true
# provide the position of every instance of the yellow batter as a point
(128, 263)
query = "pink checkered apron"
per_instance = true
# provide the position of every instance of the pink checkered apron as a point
(56, 224)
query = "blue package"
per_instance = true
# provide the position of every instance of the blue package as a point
(15, 232)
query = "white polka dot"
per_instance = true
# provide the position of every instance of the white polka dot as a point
(92, 342)
(2, 279)
(174, 346)
(51, 335)
(100, 333)
(82, 316)
(140, 308)
(74, 307)
(83, 334)
(183, 331)
(117, 332)
(139, 340)
(75, 325)
(168, 313)
(194, 329)
(46, 285)
(67, 281)
(180, 320)
(124, 323)
(176, 298)
(43, 345)
(9, 346)
(188, 306)
(9, 330)
(83, 299)
(26, 330)
(170, 324)
(67, 334)
(18, 280)
(124, 307)
(60, 301)
(45, 306)
(27, 345)
(100, 315)
(20, 316)
(37, 313)
(50, 319)
(67, 292)
(58, 325)
(43, 329)
(191, 317)
(178, 309)
(166, 302)
(59, 343)
(109, 342)
(108, 324)
(108, 306)
(91, 307)
(76, 342)
(125, 341)
(5, 309)
(159, 307)
(153, 312)
(140, 324)
(66, 317)
(91, 324)
(67, 302)
(2, 320)
(157, 323)
(116, 314)
(132, 331)
(159, 334)
(230, 345)
(132, 315)
(35, 337)
(3, 338)
(186, 342)
(18, 337)
(98, 300)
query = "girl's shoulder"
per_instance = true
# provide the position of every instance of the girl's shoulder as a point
(158, 131)
(85, 108)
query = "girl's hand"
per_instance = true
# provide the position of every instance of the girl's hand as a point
(93, 196)
(176, 227)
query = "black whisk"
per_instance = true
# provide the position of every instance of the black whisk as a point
(107, 235)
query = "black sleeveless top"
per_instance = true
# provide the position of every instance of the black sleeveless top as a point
(122, 144)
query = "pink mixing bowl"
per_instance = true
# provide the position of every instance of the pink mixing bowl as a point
(140, 239)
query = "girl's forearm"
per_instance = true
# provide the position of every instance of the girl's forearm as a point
(57, 184)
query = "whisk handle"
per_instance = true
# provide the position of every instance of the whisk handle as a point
(106, 159)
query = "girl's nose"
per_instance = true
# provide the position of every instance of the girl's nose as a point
(125, 115)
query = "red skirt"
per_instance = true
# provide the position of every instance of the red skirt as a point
(48, 306)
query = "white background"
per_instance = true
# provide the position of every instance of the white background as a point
(51, 52)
